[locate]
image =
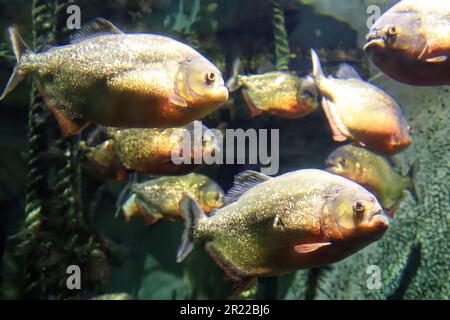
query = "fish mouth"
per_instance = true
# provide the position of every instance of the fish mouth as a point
(220, 94)
(379, 218)
(375, 43)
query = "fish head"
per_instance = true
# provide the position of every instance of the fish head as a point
(212, 196)
(396, 31)
(200, 83)
(344, 162)
(352, 213)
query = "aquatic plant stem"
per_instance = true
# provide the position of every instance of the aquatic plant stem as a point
(66, 187)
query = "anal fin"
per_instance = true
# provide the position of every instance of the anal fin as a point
(69, 126)
(150, 215)
(438, 59)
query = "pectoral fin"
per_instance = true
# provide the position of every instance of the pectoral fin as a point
(391, 211)
(310, 247)
(238, 282)
(438, 59)
(19, 48)
(254, 111)
(177, 100)
(339, 131)
(427, 54)
(69, 126)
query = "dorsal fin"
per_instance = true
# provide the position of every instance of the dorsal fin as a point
(243, 182)
(98, 26)
(346, 71)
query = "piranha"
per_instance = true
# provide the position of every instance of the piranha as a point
(358, 111)
(411, 42)
(120, 80)
(374, 173)
(148, 151)
(271, 226)
(276, 93)
(160, 198)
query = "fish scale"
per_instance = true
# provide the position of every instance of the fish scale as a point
(159, 198)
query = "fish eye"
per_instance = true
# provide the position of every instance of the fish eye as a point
(358, 207)
(210, 77)
(217, 196)
(343, 161)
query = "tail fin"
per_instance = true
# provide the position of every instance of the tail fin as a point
(19, 48)
(233, 82)
(192, 214)
(317, 67)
